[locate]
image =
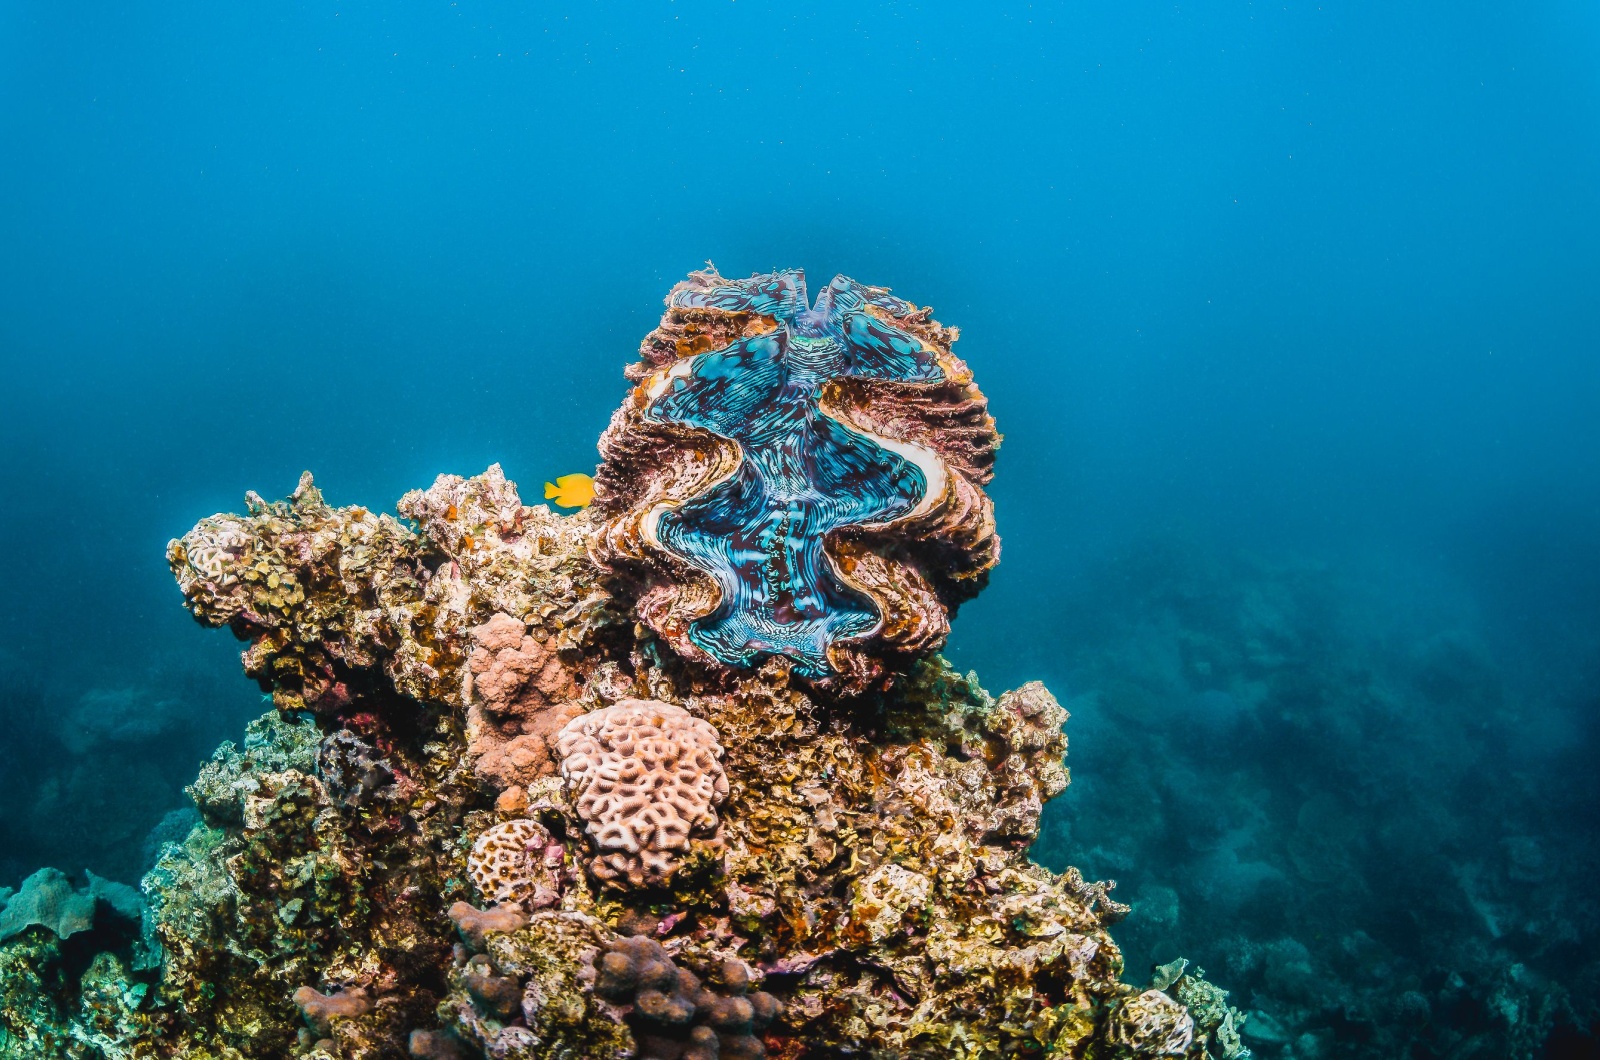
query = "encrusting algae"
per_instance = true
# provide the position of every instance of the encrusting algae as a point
(579, 787)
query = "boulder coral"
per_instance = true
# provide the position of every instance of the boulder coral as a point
(522, 797)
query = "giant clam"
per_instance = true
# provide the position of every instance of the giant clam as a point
(795, 480)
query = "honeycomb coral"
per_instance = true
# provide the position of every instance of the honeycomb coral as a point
(645, 777)
(798, 481)
(517, 861)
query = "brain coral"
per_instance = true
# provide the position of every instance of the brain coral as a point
(645, 777)
(798, 481)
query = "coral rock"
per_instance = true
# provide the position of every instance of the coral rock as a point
(718, 679)
(337, 602)
(475, 924)
(646, 777)
(885, 898)
(548, 959)
(320, 1010)
(436, 1045)
(1151, 1024)
(498, 995)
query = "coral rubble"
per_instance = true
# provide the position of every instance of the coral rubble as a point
(677, 776)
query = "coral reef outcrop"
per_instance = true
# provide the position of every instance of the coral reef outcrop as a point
(535, 787)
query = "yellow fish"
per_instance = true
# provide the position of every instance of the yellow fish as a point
(570, 491)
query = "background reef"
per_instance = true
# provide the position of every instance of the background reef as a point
(1369, 826)
(1287, 315)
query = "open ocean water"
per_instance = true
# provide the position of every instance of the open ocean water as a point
(1290, 314)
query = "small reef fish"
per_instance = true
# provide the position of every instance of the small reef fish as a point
(570, 491)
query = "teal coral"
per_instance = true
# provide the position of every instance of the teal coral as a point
(47, 899)
(75, 970)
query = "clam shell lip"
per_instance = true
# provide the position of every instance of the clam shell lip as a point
(935, 475)
(661, 380)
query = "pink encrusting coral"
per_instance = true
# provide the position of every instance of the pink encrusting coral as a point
(519, 696)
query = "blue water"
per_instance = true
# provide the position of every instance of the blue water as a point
(1314, 285)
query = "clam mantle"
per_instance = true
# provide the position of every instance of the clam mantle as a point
(794, 481)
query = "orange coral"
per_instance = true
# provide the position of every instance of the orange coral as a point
(520, 697)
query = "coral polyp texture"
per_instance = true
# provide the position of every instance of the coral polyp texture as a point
(798, 480)
(517, 861)
(678, 775)
(646, 778)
